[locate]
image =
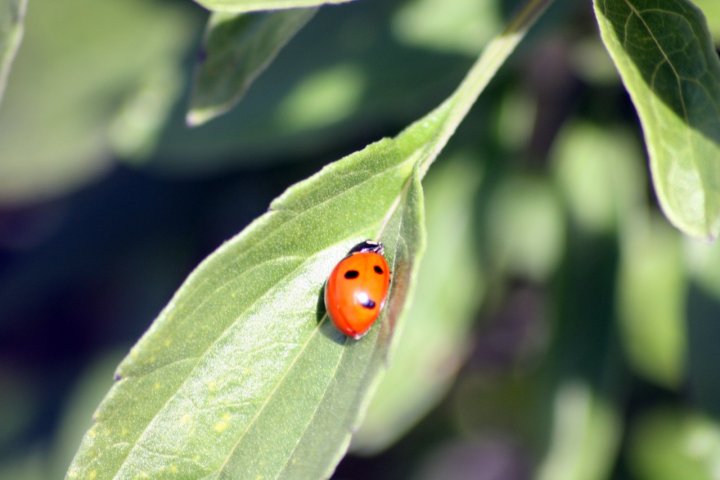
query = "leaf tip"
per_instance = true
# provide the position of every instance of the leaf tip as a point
(195, 118)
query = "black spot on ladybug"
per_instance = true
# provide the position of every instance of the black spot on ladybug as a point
(350, 274)
(378, 270)
(369, 304)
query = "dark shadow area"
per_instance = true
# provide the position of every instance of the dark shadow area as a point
(703, 361)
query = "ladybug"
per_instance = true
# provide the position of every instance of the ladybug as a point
(356, 289)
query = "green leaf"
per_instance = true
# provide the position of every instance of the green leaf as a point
(242, 375)
(667, 62)
(652, 293)
(703, 261)
(315, 97)
(84, 396)
(243, 347)
(711, 9)
(583, 375)
(525, 227)
(244, 6)
(65, 90)
(12, 15)
(667, 444)
(238, 47)
(463, 26)
(135, 128)
(449, 290)
(599, 170)
(584, 436)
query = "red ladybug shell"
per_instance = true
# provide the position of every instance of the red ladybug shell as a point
(356, 289)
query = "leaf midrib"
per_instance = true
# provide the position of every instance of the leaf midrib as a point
(398, 239)
(391, 211)
(259, 298)
(296, 216)
(278, 384)
(277, 230)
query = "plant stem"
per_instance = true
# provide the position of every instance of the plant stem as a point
(483, 70)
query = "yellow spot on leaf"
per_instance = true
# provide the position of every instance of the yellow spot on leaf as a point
(92, 475)
(222, 425)
(185, 419)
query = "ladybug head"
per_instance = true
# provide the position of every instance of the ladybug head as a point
(367, 246)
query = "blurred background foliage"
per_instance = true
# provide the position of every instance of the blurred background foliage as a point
(561, 328)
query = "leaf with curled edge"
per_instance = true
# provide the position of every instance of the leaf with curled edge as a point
(668, 64)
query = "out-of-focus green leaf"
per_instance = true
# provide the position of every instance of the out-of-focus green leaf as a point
(580, 421)
(585, 434)
(459, 26)
(12, 16)
(525, 228)
(242, 375)
(134, 130)
(79, 61)
(515, 119)
(322, 99)
(76, 419)
(669, 444)
(243, 6)
(238, 47)
(449, 289)
(711, 9)
(315, 96)
(599, 172)
(28, 466)
(651, 293)
(667, 62)
(592, 63)
(703, 261)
